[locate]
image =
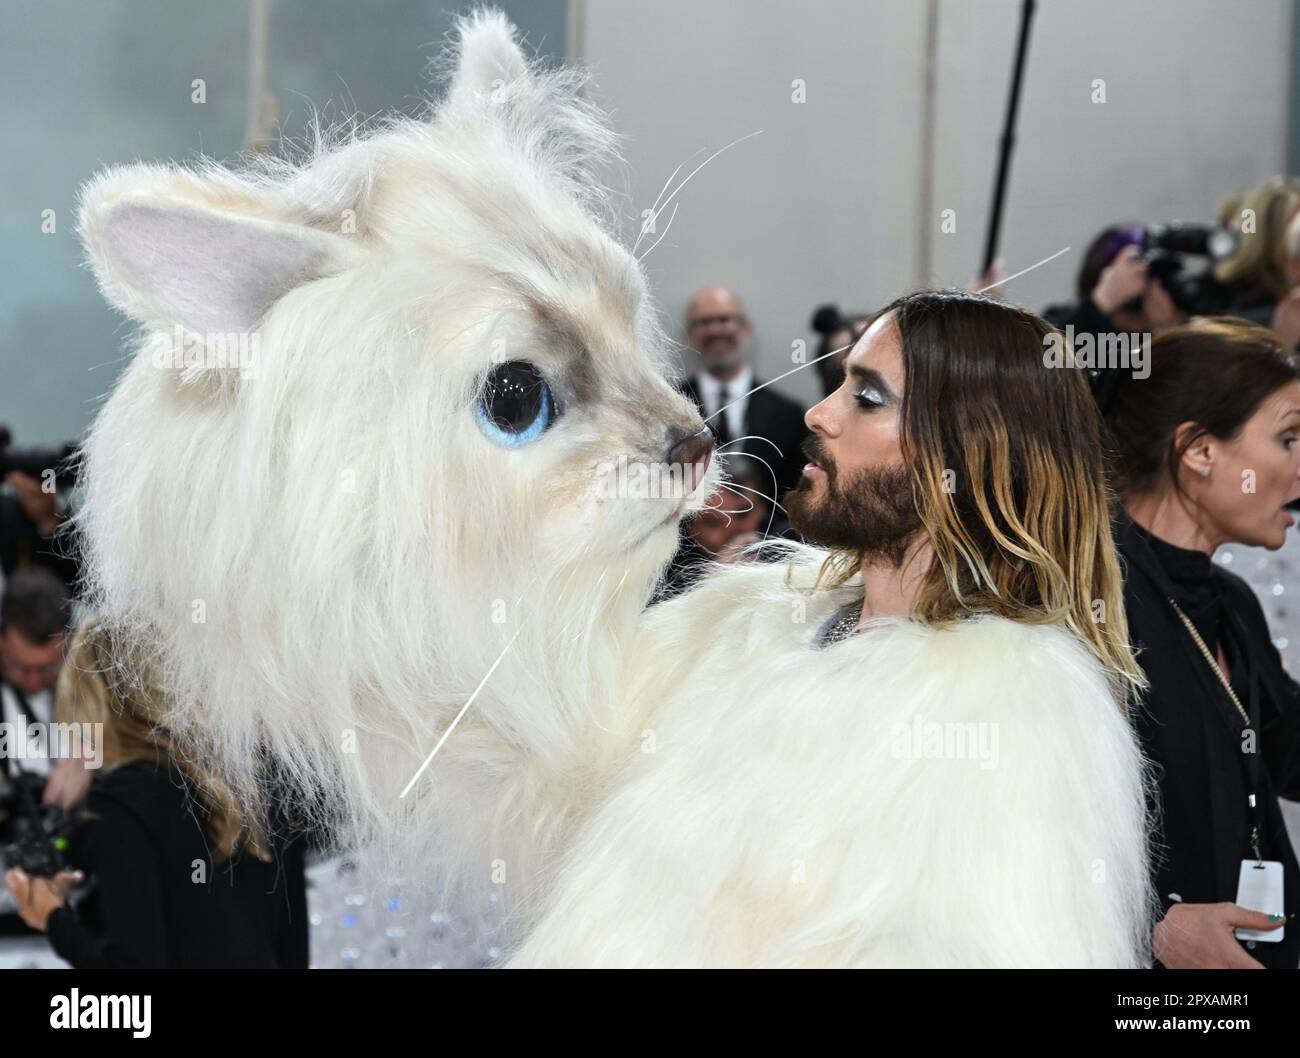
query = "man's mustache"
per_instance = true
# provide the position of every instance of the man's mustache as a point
(815, 451)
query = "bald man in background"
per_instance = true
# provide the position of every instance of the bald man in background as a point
(720, 332)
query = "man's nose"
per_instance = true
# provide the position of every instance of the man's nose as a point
(695, 452)
(815, 418)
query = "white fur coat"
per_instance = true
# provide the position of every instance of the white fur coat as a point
(967, 797)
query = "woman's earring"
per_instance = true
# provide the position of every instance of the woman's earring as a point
(1204, 472)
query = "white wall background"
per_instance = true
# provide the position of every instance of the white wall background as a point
(825, 205)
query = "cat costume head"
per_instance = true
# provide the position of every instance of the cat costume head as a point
(401, 482)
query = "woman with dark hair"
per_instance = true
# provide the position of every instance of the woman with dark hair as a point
(1208, 451)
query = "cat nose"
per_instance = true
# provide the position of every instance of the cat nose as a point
(696, 452)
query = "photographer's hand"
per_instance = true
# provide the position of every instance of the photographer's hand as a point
(67, 785)
(38, 898)
(1124, 279)
(1159, 308)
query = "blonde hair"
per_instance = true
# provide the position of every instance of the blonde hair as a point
(1008, 475)
(1260, 258)
(105, 682)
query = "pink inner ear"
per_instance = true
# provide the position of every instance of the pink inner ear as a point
(209, 272)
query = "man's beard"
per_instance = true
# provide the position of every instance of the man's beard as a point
(872, 513)
(722, 357)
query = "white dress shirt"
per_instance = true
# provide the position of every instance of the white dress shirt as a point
(710, 389)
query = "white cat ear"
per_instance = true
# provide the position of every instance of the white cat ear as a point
(489, 57)
(206, 252)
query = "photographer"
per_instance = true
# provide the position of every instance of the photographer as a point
(32, 518)
(34, 618)
(1258, 276)
(1286, 313)
(183, 876)
(1115, 290)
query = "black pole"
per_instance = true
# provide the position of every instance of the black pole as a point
(1008, 140)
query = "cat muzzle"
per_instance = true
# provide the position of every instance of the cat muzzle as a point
(693, 454)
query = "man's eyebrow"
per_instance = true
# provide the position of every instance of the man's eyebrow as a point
(870, 377)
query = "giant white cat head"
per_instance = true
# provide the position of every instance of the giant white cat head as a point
(366, 439)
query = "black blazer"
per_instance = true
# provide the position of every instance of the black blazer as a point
(773, 416)
(1193, 735)
(21, 544)
(140, 846)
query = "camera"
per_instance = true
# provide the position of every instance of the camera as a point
(35, 835)
(1182, 256)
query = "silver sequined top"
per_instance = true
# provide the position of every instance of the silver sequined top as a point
(840, 625)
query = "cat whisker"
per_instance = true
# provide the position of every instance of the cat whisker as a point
(750, 437)
(654, 215)
(657, 241)
(775, 505)
(764, 385)
(459, 716)
(655, 205)
(717, 508)
(732, 485)
(728, 514)
(834, 352)
(1023, 271)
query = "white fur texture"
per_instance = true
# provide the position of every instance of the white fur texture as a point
(328, 557)
(788, 806)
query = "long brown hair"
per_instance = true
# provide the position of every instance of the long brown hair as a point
(105, 682)
(1008, 475)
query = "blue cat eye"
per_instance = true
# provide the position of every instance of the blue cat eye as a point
(515, 405)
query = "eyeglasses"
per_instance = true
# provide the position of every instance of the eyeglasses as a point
(47, 672)
(725, 319)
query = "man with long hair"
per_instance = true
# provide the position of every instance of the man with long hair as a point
(959, 475)
(925, 758)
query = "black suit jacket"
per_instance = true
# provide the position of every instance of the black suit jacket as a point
(21, 544)
(777, 418)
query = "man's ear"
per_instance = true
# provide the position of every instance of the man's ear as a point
(210, 253)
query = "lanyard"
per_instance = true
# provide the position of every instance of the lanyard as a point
(1250, 719)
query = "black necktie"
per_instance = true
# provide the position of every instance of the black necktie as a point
(720, 418)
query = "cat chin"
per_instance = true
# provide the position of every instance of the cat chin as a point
(660, 530)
